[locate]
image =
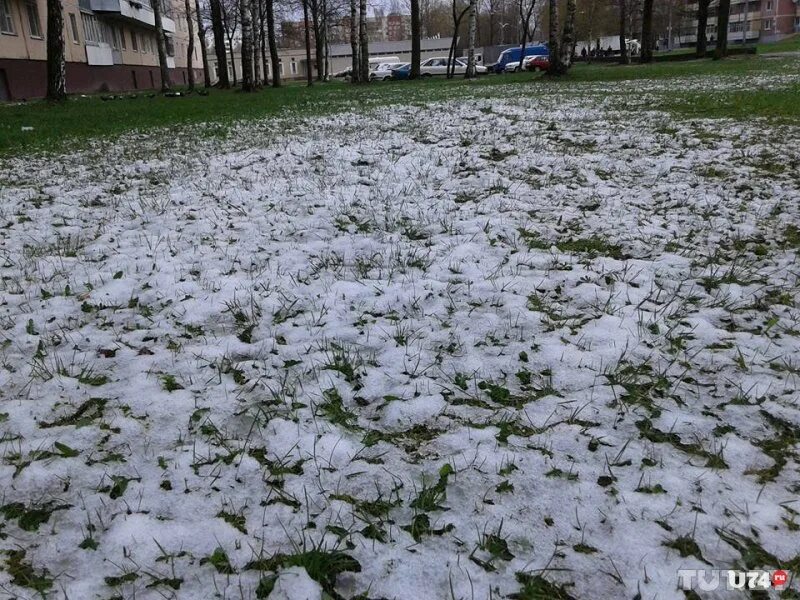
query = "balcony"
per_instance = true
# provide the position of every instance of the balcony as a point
(136, 11)
(99, 54)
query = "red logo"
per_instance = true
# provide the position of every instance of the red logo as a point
(779, 578)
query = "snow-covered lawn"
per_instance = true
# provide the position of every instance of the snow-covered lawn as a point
(470, 349)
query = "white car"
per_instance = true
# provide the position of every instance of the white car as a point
(383, 71)
(511, 67)
(438, 66)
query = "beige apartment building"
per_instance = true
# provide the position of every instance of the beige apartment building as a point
(110, 46)
(750, 21)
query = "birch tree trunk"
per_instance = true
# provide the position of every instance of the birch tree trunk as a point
(309, 76)
(363, 38)
(473, 22)
(256, 42)
(318, 48)
(190, 47)
(554, 44)
(354, 49)
(161, 45)
(568, 38)
(247, 50)
(273, 45)
(56, 65)
(201, 33)
(218, 29)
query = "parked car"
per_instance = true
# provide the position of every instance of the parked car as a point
(512, 55)
(511, 67)
(402, 72)
(438, 66)
(537, 62)
(383, 71)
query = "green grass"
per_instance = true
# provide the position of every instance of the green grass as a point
(789, 44)
(780, 104)
(36, 126)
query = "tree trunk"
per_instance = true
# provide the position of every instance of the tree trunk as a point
(568, 38)
(416, 48)
(363, 38)
(354, 49)
(273, 45)
(201, 33)
(247, 50)
(218, 29)
(473, 24)
(309, 77)
(255, 43)
(723, 17)
(647, 32)
(190, 48)
(319, 57)
(623, 32)
(161, 45)
(56, 66)
(702, 25)
(262, 19)
(554, 44)
(233, 62)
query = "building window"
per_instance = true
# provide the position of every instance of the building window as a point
(134, 44)
(92, 29)
(33, 19)
(767, 24)
(122, 38)
(280, 63)
(769, 6)
(6, 22)
(294, 67)
(74, 26)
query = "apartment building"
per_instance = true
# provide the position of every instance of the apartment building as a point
(110, 46)
(751, 21)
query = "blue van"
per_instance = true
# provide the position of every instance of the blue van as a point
(512, 55)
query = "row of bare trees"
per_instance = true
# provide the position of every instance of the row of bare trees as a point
(252, 23)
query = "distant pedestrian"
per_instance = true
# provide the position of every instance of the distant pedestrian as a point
(583, 53)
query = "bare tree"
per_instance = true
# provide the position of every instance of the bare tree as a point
(624, 59)
(230, 19)
(554, 44)
(526, 9)
(247, 50)
(255, 42)
(354, 45)
(262, 21)
(416, 42)
(473, 24)
(647, 32)
(161, 46)
(273, 45)
(568, 38)
(190, 47)
(201, 33)
(56, 65)
(309, 77)
(723, 17)
(458, 14)
(363, 38)
(315, 7)
(218, 29)
(702, 24)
